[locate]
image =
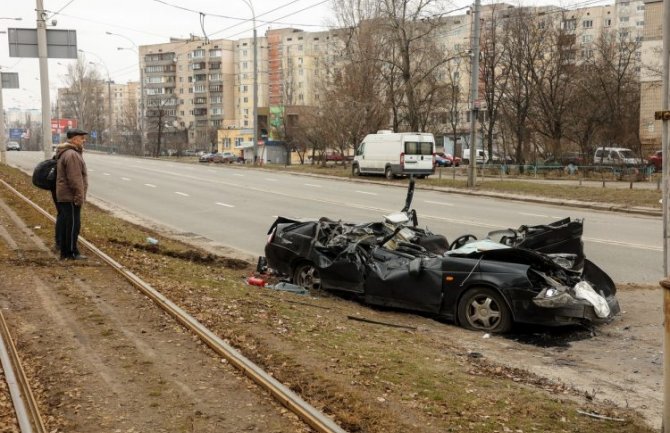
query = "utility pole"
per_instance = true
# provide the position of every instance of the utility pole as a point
(665, 284)
(255, 97)
(44, 78)
(3, 143)
(474, 84)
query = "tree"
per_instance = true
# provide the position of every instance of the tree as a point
(160, 115)
(555, 91)
(84, 98)
(523, 48)
(494, 79)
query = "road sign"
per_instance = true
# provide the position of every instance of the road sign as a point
(15, 133)
(94, 134)
(9, 80)
(61, 44)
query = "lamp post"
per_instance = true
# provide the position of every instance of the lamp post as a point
(136, 50)
(255, 97)
(109, 93)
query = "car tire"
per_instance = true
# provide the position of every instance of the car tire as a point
(484, 309)
(355, 170)
(388, 173)
(307, 276)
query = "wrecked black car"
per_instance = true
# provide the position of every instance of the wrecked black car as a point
(533, 274)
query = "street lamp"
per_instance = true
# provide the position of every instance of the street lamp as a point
(8, 18)
(109, 92)
(255, 109)
(136, 50)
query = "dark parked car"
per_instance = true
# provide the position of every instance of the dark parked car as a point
(535, 274)
(656, 160)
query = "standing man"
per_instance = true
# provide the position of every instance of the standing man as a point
(71, 186)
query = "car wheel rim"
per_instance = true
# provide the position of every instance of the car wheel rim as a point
(308, 277)
(483, 313)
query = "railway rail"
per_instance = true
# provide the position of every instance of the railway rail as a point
(293, 402)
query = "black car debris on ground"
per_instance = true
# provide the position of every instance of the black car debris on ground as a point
(534, 274)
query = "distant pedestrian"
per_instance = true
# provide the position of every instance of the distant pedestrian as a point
(71, 187)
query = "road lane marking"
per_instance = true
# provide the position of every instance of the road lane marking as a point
(150, 185)
(438, 202)
(106, 174)
(366, 192)
(224, 204)
(181, 193)
(270, 179)
(237, 174)
(539, 215)
(380, 210)
(126, 178)
(312, 185)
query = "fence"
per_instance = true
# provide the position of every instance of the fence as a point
(596, 173)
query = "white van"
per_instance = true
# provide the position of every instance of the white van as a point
(395, 154)
(615, 156)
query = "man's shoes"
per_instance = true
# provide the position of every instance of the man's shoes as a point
(75, 257)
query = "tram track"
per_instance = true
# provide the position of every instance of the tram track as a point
(304, 411)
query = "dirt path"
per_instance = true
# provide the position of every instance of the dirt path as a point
(620, 362)
(103, 358)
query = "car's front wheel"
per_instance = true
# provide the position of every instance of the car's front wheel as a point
(307, 276)
(355, 170)
(388, 173)
(484, 309)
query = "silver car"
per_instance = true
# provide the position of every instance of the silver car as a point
(13, 145)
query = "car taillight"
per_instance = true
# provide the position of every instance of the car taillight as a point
(402, 161)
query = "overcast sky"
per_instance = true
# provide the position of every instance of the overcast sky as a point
(144, 22)
(150, 22)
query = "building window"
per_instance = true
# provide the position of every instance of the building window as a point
(198, 53)
(215, 53)
(623, 19)
(587, 24)
(608, 22)
(587, 38)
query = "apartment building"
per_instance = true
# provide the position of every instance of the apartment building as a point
(189, 90)
(650, 76)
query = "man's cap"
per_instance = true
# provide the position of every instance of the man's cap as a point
(74, 132)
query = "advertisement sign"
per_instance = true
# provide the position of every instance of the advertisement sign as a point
(60, 126)
(15, 133)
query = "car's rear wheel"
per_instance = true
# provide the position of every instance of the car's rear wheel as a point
(388, 173)
(484, 309)
(307, 276)
(355, 170)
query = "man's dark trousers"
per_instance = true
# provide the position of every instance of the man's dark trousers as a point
(59, 220)
(69, 230)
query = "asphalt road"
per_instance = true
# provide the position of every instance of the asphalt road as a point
(235, 205)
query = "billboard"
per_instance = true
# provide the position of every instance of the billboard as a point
(60, 126)
(16, 133)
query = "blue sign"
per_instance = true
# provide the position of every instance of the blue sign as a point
(94, 134)
(55, 138)
(15, 133)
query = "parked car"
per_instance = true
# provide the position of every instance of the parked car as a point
(535, 274)
(446, 160)
(441, 161)
(656, 160)
(206, 157)
(224, 157)
(13, 145)
(615, 156)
